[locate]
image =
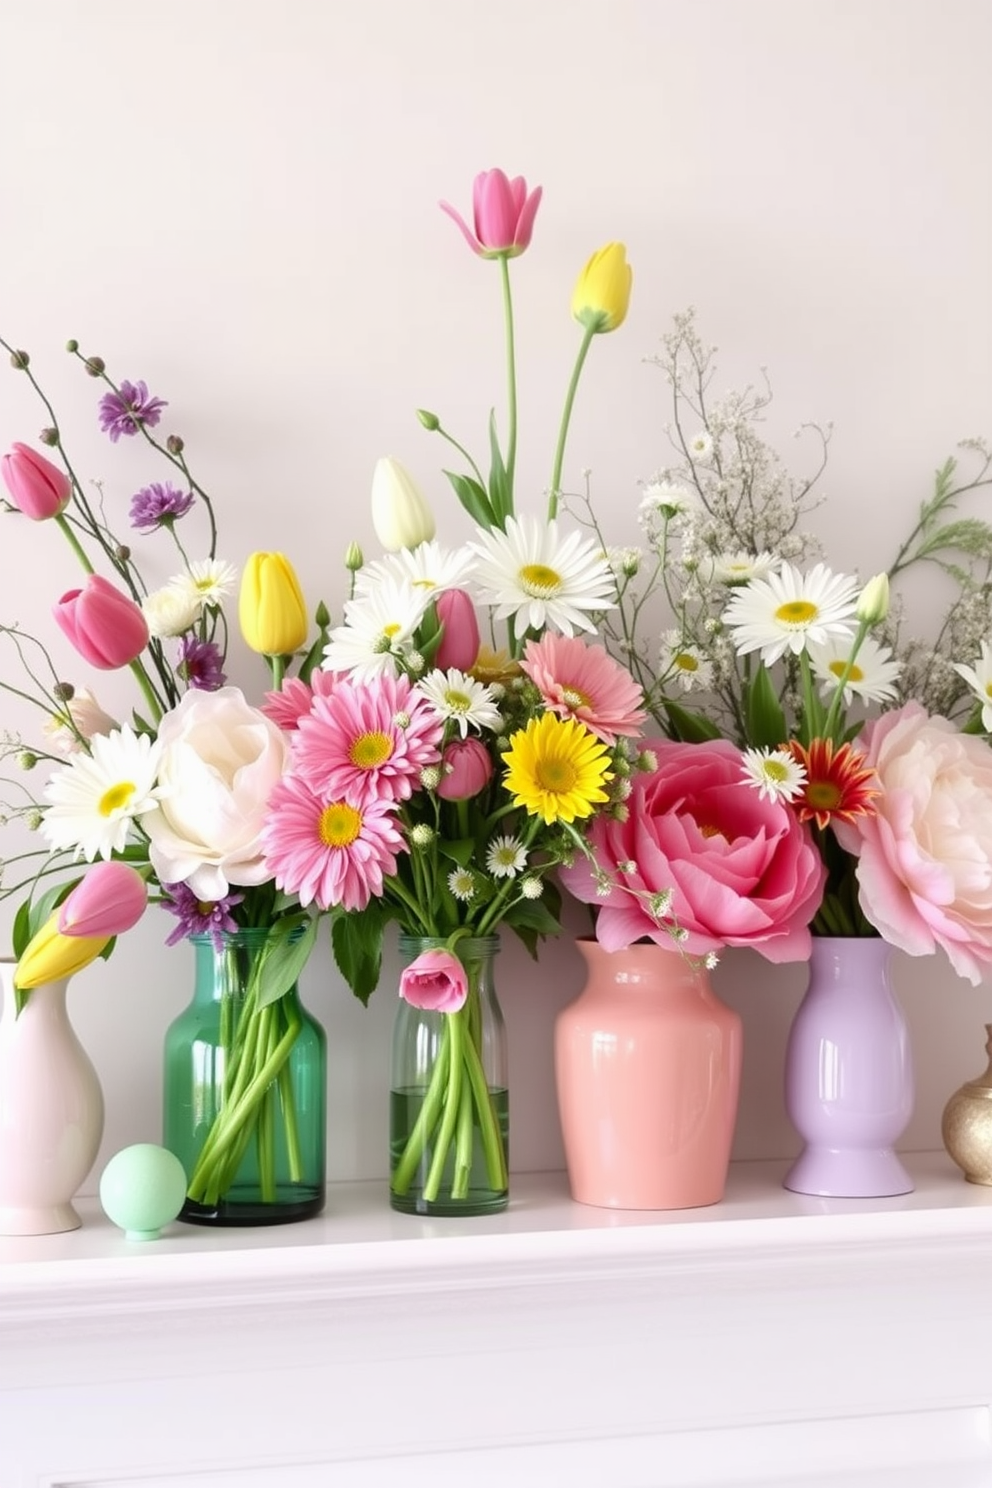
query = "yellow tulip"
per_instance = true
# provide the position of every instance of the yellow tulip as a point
(271, 609)
(50, 955)
(602, 293)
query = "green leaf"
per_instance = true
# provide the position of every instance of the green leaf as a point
(500, 495)
(691, 728)
(284, 956)
(460, 850)
(473, 498)
(20, 934)
(766, 725)
(356, 939)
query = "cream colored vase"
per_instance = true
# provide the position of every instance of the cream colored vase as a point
(51, 1112)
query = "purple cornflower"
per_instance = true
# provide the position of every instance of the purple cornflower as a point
(201, 665)
(158, 505)
(199, 916)
(125, 411)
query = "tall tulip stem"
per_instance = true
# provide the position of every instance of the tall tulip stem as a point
(566, 417)
(511, 376)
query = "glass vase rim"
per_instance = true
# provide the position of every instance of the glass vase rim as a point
(485, 943)
(243, 935)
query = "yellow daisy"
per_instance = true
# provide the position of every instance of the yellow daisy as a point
(557, 769)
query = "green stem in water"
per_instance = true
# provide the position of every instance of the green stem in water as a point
(427, 1119)
(566, 417)
(452, 1098)
(511, 376)
(489, 1132)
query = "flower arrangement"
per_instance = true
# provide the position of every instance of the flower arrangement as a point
(771, 674)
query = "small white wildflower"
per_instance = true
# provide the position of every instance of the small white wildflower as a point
(416, 663)
(660, 904)
(741, 567)
(701, 445)
(402, 720)
(678, 932)
(461, 882)
(531, 887)
(33, 820)
(773, 773)
(711, 960)
(628, 866)
(422, 835)
(681, 659)
(506, 857)
(430, 777)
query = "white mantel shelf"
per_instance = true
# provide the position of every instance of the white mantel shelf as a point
(771, 1339)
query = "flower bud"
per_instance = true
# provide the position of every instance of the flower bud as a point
(460, 641)
(174, 444)
(49, 437)
(105, 626)
(20, 360)
(602, 292)
(467, 769)
(64, 691)
(271, 608)
(52, 956)
(38, 488)
(26, 759)
(873, 601)
(400, 515)
(435, 981)
(72, 347)
(122, 553)
(95, 366)
(430, 421)
(353, 559)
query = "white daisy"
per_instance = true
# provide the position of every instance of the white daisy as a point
(741, 567)
(428, 566)
(455, 696)
(95, 798)
(172, 610)
(788, 609)
(979, 679)
(872, 675)
(684, 662)
(378, 627)
(209, 581)
(773, 773)
(663, 498)
(530, 571)
(506, 857)
(461, 882)
(701, 445)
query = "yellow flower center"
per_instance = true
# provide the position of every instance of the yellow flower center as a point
(458, 702)
(117, 796)
(557, 776)
(823, 795)
(203, 586)
(369, 751)
(539, 581)
(855, 674)
(339, 824)
(573, 698)
(988, 689)
(775, 769)
(686, 662)
(796, 612)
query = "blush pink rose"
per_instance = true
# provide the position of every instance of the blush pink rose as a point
(925, 857)
(742, 871)
(436, 982)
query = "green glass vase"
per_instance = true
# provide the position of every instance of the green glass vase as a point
(448, 1102)
(245, 1093)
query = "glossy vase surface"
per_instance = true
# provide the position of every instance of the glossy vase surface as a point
(449, 1111)
(849, 1085)
(245, 1094)
(51, 1111)
(966, 1123)
(647, 1069)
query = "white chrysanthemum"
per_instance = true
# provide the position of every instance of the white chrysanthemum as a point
(209, 581)
(533, 573)
(506, 857)
(461, 882)
(455, 696)
(378, 627)
(872, 676)
(94, 799)
(979, 679)
(427, 566)
(663, 499)
(741, 568)
(788, 610)
(701, 445)
(773, 773)
(171, 610)
(624, 562)
(684, 662)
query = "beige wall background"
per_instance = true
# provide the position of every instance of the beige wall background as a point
(237, 203)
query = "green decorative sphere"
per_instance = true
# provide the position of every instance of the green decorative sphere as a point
(143, 1188)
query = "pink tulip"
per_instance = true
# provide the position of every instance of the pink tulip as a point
(38, 488)
(460, 642)
(503, 214)
(106, 628)
(436, 982)
(466, 769)
(109, 900)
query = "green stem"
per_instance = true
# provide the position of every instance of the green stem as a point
(452, 1098)
(74, 543)
(288, 1097)
(565, 420)
(489, 1132)
(426, 1121)
(462, 1175)
(511, 378)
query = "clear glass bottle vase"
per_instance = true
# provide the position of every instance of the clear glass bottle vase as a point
(448, 1102)
(245, 1094)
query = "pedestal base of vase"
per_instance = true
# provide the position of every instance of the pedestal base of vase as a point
(46, 1219)
(848, 1175)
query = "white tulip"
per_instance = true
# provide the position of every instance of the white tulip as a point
(400, 515)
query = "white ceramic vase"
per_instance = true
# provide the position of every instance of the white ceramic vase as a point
(51, 1111)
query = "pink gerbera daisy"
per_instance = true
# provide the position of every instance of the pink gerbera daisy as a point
(292, 702)
(328, 850)
(368, 742)
(583, 681)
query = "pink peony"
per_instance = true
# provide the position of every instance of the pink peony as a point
(925, 857)
(741, 871)
(436, 982)
(577, 680)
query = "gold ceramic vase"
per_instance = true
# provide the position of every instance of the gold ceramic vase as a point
(967, 1123)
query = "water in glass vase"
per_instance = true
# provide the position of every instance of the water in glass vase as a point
(483, 1192)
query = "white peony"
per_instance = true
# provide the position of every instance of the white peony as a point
(220, 760)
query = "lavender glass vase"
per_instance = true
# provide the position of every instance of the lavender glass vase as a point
(849, 1074)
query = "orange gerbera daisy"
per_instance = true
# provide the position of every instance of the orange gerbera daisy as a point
(838, 785)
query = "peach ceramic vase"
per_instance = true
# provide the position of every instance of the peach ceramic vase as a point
(51, 1112)
(647, 1064)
